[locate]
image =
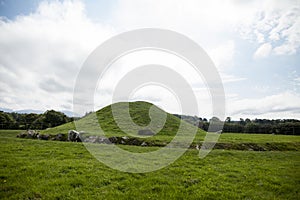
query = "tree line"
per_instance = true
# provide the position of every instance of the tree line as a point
(263, 126)
(50, 118)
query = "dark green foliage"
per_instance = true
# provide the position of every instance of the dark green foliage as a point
(6, 121)
(264, 126)
(52, 118)
(24, 121)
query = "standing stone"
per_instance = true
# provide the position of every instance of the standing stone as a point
(74, 136)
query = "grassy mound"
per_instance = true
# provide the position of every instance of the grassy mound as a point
(139, 113)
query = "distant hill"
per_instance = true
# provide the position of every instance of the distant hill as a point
(139, 112)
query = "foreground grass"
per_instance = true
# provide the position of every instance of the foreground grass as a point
(33, 169)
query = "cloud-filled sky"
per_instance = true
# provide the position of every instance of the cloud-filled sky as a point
(255, 46)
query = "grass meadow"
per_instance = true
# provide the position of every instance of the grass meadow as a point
(36, 169)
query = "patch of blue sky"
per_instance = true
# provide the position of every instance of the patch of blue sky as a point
(10, 9)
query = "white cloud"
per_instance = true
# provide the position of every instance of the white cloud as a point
(204, 21)
(226, 78)
(277, 23)
(259, 36)
(283, 105)
(263, 51)
(47, 47)
(41, 54)
(297, 81)
(223, 54)
(160, 97)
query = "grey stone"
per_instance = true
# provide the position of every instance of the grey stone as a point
(145, 132)
(74, 136)
(144, 144)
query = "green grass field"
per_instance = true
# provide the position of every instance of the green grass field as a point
(35, 169)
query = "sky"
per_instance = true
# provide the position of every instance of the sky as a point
(255, 46)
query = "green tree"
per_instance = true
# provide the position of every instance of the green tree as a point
(6, 120)
(252, 128)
